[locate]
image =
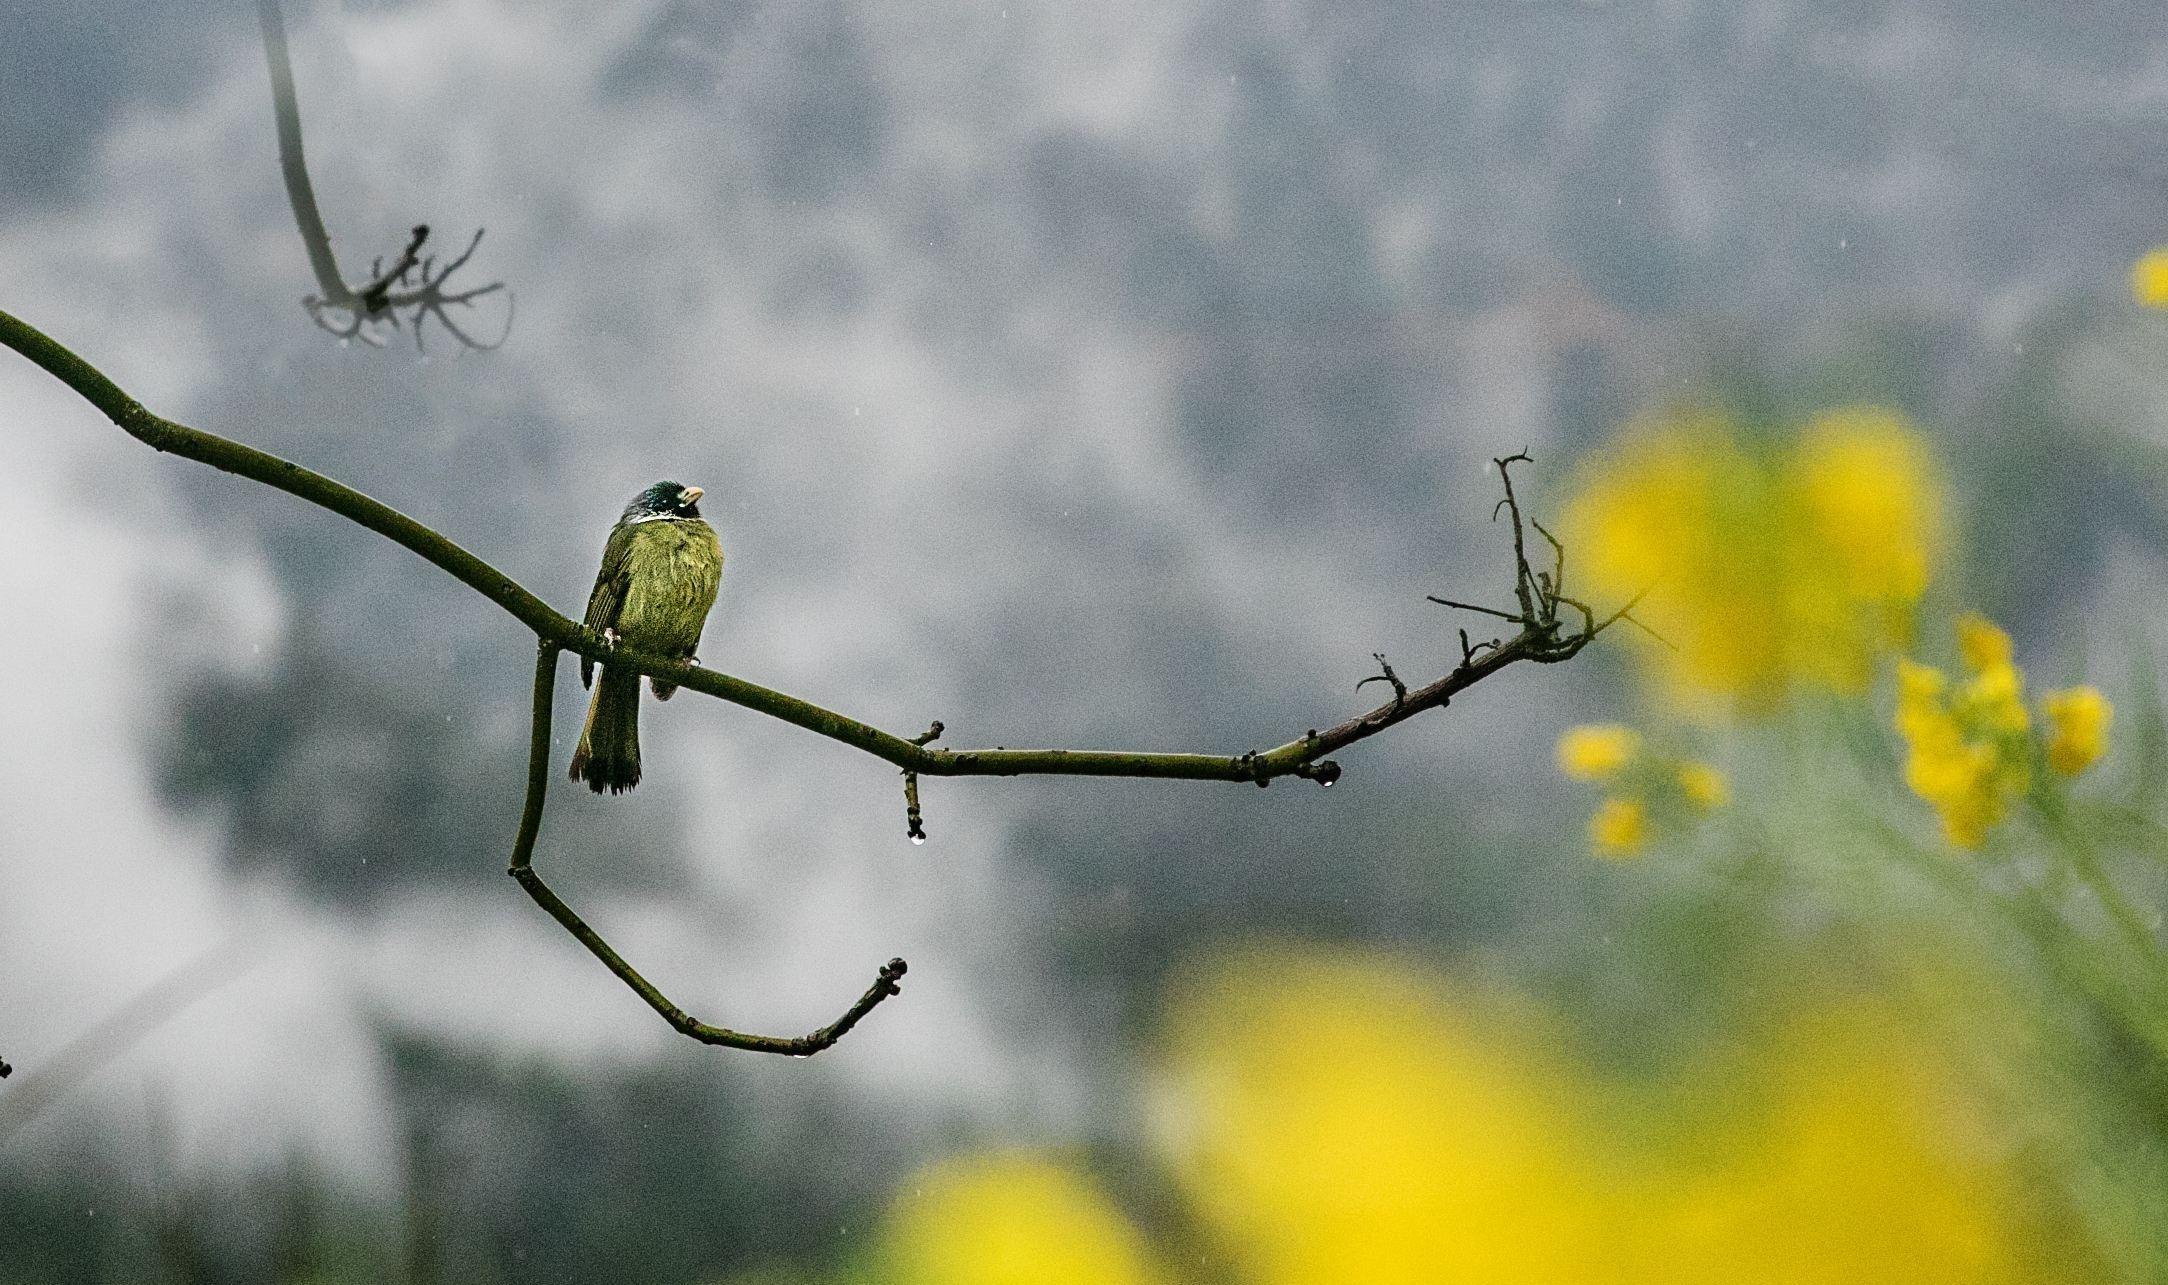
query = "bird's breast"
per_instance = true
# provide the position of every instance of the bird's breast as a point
(675, 569)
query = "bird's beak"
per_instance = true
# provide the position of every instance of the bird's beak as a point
(690, 495)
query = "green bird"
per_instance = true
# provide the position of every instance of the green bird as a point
(660, 570)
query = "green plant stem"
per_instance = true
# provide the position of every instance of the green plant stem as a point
(2065, 954)
(2085, 861)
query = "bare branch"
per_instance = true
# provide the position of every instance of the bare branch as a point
(300, 193)
(521, 868)
(375, 299)
(1538, 641)
(1524, 587)
(1541, 639)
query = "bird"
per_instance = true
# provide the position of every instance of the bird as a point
(660, 569)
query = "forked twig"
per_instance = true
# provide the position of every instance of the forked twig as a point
(412, 284)
(885, 983)
(1543, 636)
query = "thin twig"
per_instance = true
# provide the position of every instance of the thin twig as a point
(914, 820)
(1469, 606)
(1523, 582)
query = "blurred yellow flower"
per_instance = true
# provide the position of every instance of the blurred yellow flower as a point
(2078, 721)
(1981, 644)
(1704, 786)
(1857, 1162)
(1968, 756)
(1597, 751)
(1769, 565)
(1619, 828)
(1648, 790)
(1337, 1118)
(1011, 1218)
(2149, 279)
(1864, 484)
(1994, 698)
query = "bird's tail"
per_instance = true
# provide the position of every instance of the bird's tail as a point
(609, 754)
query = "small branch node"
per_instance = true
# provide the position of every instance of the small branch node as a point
(1324, 772)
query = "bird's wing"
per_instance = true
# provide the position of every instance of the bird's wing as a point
(609, 593)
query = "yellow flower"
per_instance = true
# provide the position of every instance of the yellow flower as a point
(1772, 567)
(1620, 827)
(1860, 475)
(2078, 721)
(1335, 1118)
(1860, 1162)
(1980, 644)
(1967, 751)
(1597, 751)
(1339, 1117)
(1705, 786)
(1995, 700)
(1919, 690)
(1011, 1218)
(2149, 279)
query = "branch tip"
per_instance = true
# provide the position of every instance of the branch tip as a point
(1469, 606)
(1387, 676)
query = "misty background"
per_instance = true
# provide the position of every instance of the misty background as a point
(1114, 375)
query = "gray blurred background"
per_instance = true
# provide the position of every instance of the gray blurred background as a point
(1116, 374)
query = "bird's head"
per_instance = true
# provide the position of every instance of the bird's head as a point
(664, 500)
